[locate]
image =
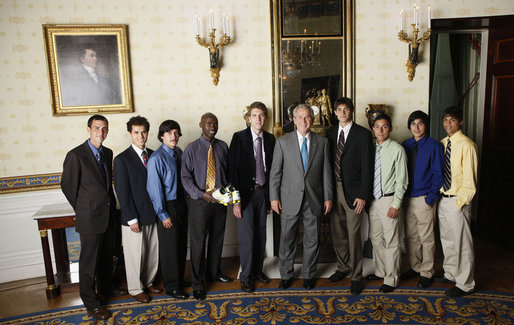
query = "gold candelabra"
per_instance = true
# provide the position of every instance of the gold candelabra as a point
(414, 42)
(214, 48)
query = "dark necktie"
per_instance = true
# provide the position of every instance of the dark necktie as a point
(447, 167)
(144, 154)
(339, 153)
(413, 153)
(260, 178)
(101, 164)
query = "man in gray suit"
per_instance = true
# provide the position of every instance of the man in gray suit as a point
(301, 184)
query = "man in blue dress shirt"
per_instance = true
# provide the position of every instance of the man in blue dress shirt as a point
(168, 198)
(425, 168)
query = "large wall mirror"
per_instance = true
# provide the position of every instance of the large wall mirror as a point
(313, 58)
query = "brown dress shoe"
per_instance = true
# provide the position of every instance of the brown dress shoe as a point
(99, 313)
(142, 297)
(153, 289)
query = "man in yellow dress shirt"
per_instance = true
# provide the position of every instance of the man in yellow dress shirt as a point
(389, 186)
(459, 187)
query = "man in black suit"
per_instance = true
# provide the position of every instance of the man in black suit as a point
(86, 183)
(352, 158)
(249, 157)
(139, 230)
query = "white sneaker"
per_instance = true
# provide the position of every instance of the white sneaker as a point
(222, 195)
(236, 197)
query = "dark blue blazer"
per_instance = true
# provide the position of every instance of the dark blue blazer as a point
(130, 184)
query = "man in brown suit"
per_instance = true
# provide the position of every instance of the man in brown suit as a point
(86, 183)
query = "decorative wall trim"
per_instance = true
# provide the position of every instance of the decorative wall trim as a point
(39, 182)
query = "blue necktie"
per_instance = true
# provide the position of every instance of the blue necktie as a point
(304, 153)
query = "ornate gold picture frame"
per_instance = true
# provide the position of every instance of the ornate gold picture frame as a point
(88, 67)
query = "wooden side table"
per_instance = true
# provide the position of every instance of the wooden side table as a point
(55, 217)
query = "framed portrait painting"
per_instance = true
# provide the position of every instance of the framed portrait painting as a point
(88, 67)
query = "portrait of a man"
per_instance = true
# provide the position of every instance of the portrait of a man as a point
(88, 70)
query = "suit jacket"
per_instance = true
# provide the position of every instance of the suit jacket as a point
(241, 161)
(130, 184)
(91, 197)
(289, 182)
(356, 162)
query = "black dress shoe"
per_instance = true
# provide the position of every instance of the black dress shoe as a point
(409, 274)
(284, 284)
(386, 288)
(356, 287)
(309, 283)
(337, 276)
(262, 278)
(99, 313)
(177, 294)
(247, 286)
(222, 278)
(443, 279)
(455, 292)
(117, 292)
(185, 284)
(372, 277)
(424, 282)
(199, 294)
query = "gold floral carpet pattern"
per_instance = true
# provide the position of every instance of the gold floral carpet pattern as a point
(298, 306)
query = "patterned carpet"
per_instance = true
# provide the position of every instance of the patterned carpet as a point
(299, 306)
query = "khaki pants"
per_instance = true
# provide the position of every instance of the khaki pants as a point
(141, 253)
(384, 233)
(420, 242)
(457, 242)
(346, 236)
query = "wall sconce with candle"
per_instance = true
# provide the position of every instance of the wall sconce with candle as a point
(214, 48)
(414, 42)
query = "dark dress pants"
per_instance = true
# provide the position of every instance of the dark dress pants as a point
(206, 220)
(173, 245)
(96, 266)
(251, 229)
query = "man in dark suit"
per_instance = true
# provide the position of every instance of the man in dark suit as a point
(249, 159)
(352, 157)
(139, 231)
(301, 184)
(86, 183)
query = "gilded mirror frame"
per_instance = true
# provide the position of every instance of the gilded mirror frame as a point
(346, 37)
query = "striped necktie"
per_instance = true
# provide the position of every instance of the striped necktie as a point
(144, 155)
(339, 153)
(210, 179)
(101, 163)
(377, 184)
(447, 166)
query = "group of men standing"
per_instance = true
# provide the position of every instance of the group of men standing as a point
(300, 176)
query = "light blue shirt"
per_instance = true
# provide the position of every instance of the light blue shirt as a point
(163, 179)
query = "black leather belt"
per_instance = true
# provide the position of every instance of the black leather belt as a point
(447, 196)
(258, 187)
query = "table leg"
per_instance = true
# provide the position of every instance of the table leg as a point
(62, 262)
(52, 290)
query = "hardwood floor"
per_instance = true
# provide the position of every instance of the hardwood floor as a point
(494, 270)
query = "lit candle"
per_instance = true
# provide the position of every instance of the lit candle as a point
(211, 18)
(429, 16)
(228, 27)
(287, 51)
(319, 46)
(197, 25)
(312, 47)
(401, 19)
(416, 22)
